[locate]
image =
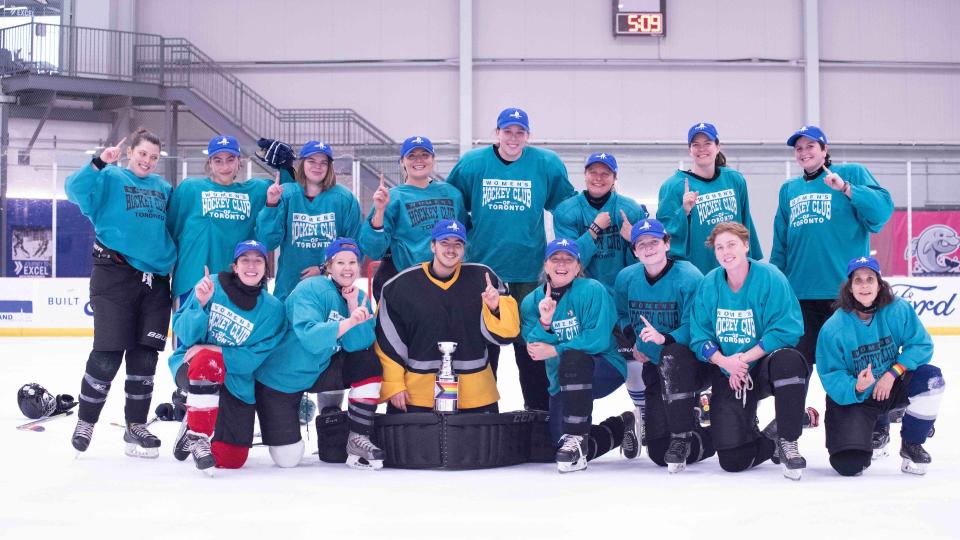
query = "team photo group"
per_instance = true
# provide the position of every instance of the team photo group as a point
(676, 307)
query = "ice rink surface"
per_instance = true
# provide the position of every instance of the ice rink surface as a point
(106, 495)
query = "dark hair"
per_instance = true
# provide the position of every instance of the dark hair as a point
(826, 160)
(847, 302)
(329, 180)
(731, 227)
(666, 238)
(143, 134)
(721, 160)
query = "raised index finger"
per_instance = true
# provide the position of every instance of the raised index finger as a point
(487, 275)
(381, 181)
(548, 290)
(826, 170)
(206, 272)
(686, 185)
(276, 178)
(645, 321)
(119, 144)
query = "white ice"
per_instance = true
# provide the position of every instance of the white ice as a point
(104, 494)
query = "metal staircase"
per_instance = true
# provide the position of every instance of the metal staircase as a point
(114, 70)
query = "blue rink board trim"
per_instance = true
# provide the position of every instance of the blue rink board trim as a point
(16, 306)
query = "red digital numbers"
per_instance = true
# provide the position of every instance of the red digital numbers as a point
(640, 23)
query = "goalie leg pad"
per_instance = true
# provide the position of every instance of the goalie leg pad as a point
(332, 432)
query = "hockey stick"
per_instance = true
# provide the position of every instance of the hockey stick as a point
(123, 426)
(35, 425)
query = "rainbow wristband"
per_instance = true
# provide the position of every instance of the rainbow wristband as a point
(897, 370)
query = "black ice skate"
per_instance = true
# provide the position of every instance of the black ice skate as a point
(82, 435)
(879, 442)
(362, 454)
(915, 458)
(790, 459)
(140, 442)
(199, 446)
(572, 455)
(181, 447)
(677, 453)
(630, 445)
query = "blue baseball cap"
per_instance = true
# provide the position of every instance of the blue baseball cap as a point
(449, 228)
(562, 244)
(343, 244)
(223, 143)
(709, 130)
(315, 147)
(649, 227)
(249, 245)
(513, 117)
(863, 262)
(812, 132)
(602, 157)
(412, 143)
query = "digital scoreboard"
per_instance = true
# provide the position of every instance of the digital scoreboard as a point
(639, 18)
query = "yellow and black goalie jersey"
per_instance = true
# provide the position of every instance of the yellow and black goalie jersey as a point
(418, 310)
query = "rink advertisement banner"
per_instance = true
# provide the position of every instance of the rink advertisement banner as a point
(61, 307)
(934, 249)
(45, 307)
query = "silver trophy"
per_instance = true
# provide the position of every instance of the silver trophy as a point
(447, 387)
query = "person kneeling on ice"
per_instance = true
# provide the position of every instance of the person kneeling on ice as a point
(227, 327)
(746, 322)
(328, 346)
(873, 356)
(653, 300)
(568, 324)
(445, 300)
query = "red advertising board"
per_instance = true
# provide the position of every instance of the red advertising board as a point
(932, 251)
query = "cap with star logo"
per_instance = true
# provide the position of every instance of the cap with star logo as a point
(223, 143)
(412, 143)
(562, 244)
(602, 157)
(812, 132)
(449, 228)
(707, 129)
(647, 227)
(863, 262)
(315, 147)
(513, 117)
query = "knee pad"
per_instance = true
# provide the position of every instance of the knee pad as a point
(142, 360)
(104, 364)
(850, 462)
(287, 455)
(206, 365)
(575, 367)
(229, 456)
(925, 392)
(789, 364)
(737, 459)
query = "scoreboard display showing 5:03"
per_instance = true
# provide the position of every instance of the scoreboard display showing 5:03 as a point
(639, 18)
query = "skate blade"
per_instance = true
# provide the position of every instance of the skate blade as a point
(564, 468)
(674, 468)
(880, 453)
(910, 467)
(137, 451)
(357, 462)
(792, 474)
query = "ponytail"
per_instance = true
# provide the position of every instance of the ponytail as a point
(721, 160)
(143, 134)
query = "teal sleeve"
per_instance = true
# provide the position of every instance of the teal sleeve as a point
(916, 345)
(596, 325)
(286, 177)
(675, 220)
(272, 224)
(462, 215)
(374, 243)
(561, 188)
(530, 322)
(782, 319)
(872, 204)
(363, 335)
(702, 320)
(190, 321)
(835, 376)
(688, 295)
(565, 226)
(457, 178)
(778, 255)
(352, 217)
(621, 302)
(756, 251)
(246, 359)
(85, 188)
(174, 218)
(308, 317)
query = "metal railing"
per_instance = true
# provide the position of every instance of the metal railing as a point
(173, 63)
